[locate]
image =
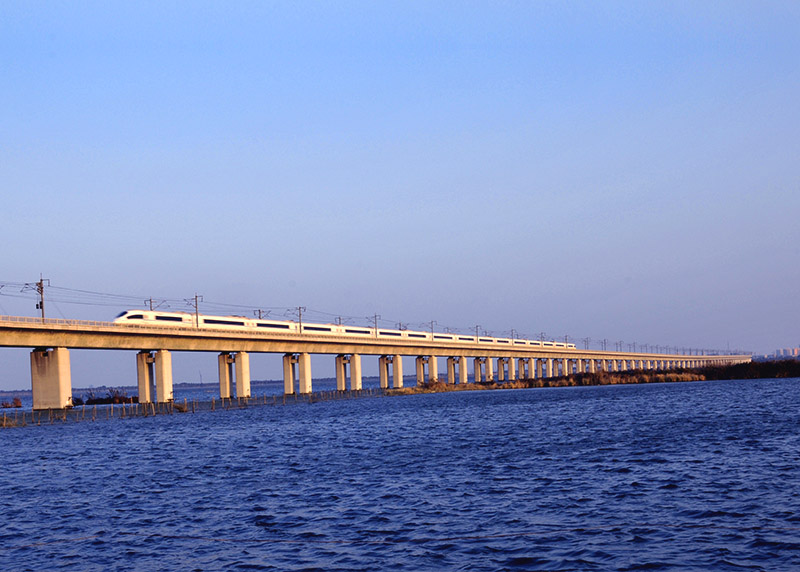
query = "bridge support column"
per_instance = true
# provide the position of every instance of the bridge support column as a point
(397, 372)
(242, 363)
(565, 368)
(163, 376)
(550, 362)
(420, 362)
(383, 371)
(592, 365)
(581, 365)
(512, 369)
(341, 373)
(304, 372)
(463, 374)
(144, 376)
(477, 365)
(355, 372)
(289, 373)
(501, 369)
(451, 371)
(433, 369)
(540, 368)
(490, 369)
(51, 379)
(224, 363)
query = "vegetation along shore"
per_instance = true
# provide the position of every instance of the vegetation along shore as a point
(752, 370)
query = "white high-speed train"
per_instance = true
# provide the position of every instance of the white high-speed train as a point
(185, 319)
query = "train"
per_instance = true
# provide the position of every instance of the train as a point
(241, 323)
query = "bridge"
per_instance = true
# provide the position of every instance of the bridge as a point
(51, 340)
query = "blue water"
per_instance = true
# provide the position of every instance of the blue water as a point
(695, 476)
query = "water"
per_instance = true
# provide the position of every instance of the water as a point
(696, 476)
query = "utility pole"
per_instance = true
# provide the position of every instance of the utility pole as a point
(604, 342)
(586, 343)
(197, 300)
(432, 324)
(338, 320)
(300, 310)
(40, 290)
(477, 332)
(39, 287)
(375, 319)
(513, 334)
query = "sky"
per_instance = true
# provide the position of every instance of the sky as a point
(620, 170)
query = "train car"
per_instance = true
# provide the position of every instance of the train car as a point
(153, 318)
(186, 319)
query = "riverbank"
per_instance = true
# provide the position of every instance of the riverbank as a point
(752, 370)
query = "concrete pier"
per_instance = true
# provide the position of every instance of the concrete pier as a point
(397, 371)
(383, 371)
(145, 376)
(489, 370)
(451, 371)
(477, 365)
(163, 367)
(355, 372)
(304, 372)
(51, 380)
(242, 366)
(224, 366)
(289, 373)
(463, 374)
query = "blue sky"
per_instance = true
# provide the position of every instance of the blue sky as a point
(613, 170)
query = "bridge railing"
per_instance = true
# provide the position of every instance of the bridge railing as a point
(53, 321)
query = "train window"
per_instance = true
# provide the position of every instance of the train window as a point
(169, 318)
(486, 340)
(356, 331)
(502, 341)
(442, 337)
(316, 329)
(397, 334)
(466, 339)
(222, 322)
(417, 336)
(135, 317)
(275, 326)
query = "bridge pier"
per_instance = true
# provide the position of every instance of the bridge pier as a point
(158, 365)
(297, 366)
(145, 376)
(433, 373)
(451, 371)
(501, 369)
(342, 361)
(397, 371)
(512, 369)
(242, 366)
(477, 370)
(224, 366)
(51, 379)
(420, 363)
(163, 367)
(383, 371)
(396, 362)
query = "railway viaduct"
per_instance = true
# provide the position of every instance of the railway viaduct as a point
(51, 340)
